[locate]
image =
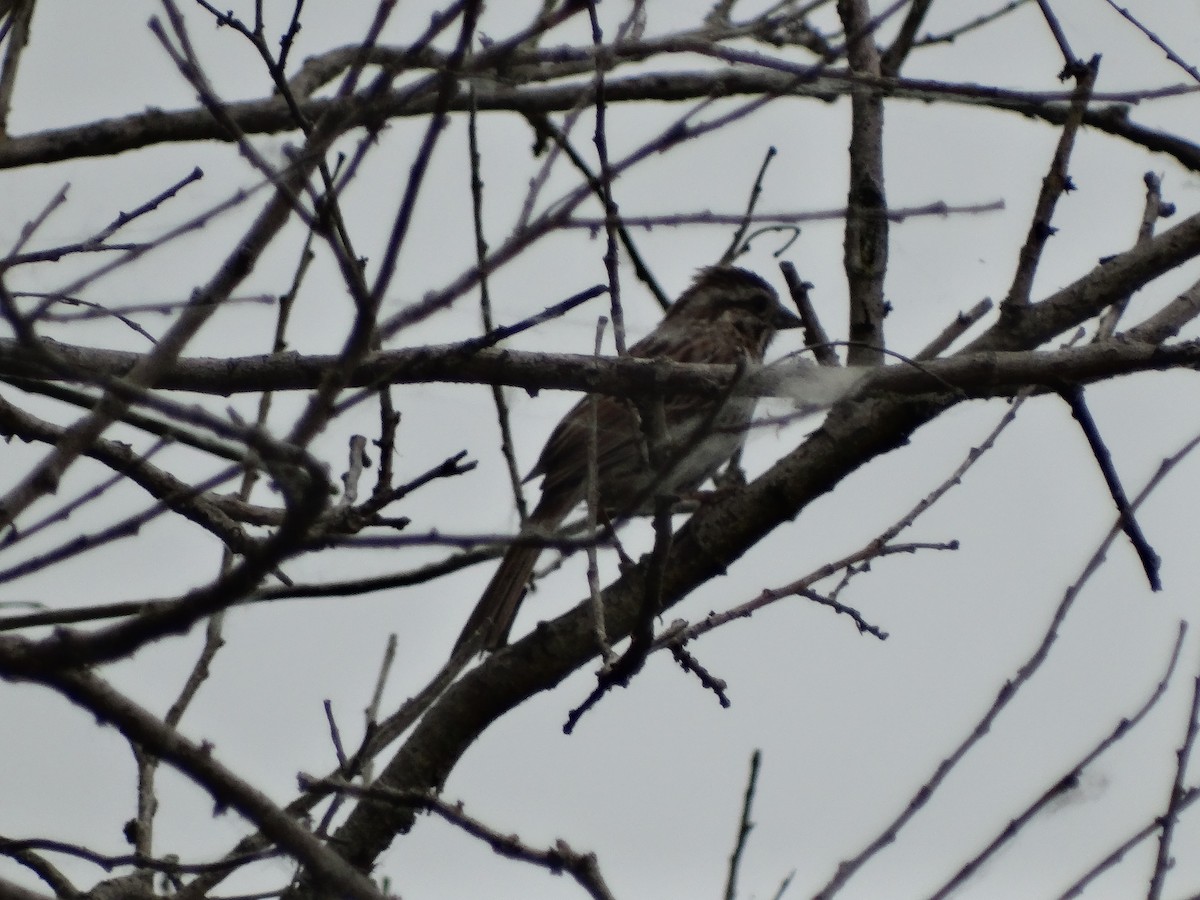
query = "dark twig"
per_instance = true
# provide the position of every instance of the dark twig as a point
(83, 687)
(1068, 781)
(789, 218)
(25, 853)
(814, 333)
(187, 500)
(1149, 559)
(373, 743)
(1164, 862)
(89, 311)
(1070, 60)
(543, 128)
(961, 325)
(185, 59)
(485, 312)
(1158, 42)
(949, 37)
(744, 827)
(16, 24)
(269, 594)
(594, 511)
(503, 332)
(29, 229)
(1190, 796)
(736, 247)
(435, 537)
(389, 424)
(289, 36)
(620, 672)
(1009, 690)
(864, 627)
(799, 588)
(1056, 182)
(371, 713)
(446, 88)
(450, 467)
(895, 55)
(109, 862)
(880, 546)
(691, 665)
(124, 218)
(148, 763)
(1152, 210)
(561, 858)
(410, 710)
(335, 733)
(463, 350)
(63, 512)
(612, 213)
(98, 310)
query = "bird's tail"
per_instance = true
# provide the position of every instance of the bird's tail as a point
(492, 618)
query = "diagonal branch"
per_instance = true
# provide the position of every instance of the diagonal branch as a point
(1149, 559)
(1054, 185)
(198, 762)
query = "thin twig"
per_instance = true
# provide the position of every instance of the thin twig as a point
(815, 335)
(1152, 209)
(29, 229)
(1067, 782)
(560, 858)
(939, 209)
(1075, 890)
(20, 12)
(1158, 42)
(507, 450)
(1027, 670)
(1149, 559)
(82, 686)
(961, 325)
(948, 37)
(895, 55)
(593, 512)
(744, 827)
(736, 247)
(612, 213)
(1056, 182)
(1069, 58)
(1170, 817)
(371, 713)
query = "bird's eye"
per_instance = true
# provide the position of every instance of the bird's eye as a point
(760, 303)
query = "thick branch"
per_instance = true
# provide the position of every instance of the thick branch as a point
(106, 137)
(980, 370)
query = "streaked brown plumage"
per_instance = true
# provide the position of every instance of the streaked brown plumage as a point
(727, 315)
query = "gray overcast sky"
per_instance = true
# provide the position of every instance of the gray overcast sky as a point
(653, 778)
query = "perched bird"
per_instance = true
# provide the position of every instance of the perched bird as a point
(728, 315)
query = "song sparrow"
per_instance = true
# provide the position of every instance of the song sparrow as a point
(727, 315)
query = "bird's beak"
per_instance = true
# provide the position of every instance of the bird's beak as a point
(783, 319)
